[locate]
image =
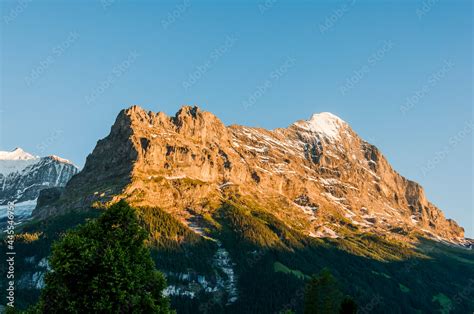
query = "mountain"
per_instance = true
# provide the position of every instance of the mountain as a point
(317, 175)
(23, 176)
(240, 218)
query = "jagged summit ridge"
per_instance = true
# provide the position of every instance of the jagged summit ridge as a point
(57, 158)
(15, 161)
(23, 176)
(317, 175)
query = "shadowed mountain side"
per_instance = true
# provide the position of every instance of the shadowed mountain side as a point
(272, 264)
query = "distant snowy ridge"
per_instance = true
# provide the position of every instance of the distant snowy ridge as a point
(16, 161)
(23, 175)
(16, 154)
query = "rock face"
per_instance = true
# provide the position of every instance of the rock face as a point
(23, 176)
(316, 175)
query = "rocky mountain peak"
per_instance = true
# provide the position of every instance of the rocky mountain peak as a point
(201, 125)
(57, 158)
(137, 113)
(317, 175)
(185, 111)
(189, 121)
(127, 117)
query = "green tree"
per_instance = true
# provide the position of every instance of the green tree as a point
(348, 306)
(104, 267)
(322, 295)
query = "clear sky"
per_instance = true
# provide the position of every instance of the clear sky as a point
(399, 72)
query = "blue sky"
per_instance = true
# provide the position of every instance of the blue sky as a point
(399, 72)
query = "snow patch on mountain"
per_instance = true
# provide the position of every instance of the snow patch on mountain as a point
(324, 232)
(325, 124)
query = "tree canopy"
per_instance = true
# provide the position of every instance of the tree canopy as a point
(322, 296)
(104, 266)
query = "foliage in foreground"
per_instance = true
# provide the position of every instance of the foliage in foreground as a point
(104, 267)
(270, 277)
(322, 296)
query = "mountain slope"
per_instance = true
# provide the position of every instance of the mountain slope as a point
(316, 175)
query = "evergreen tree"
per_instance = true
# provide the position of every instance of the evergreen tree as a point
(322, 295)
(348, 306)
(104, 267)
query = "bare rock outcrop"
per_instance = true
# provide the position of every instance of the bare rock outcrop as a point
(316, 175)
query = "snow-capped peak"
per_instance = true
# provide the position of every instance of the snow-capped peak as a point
(16, 161)
(16, 154)
(57, 158)
(324, 123)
